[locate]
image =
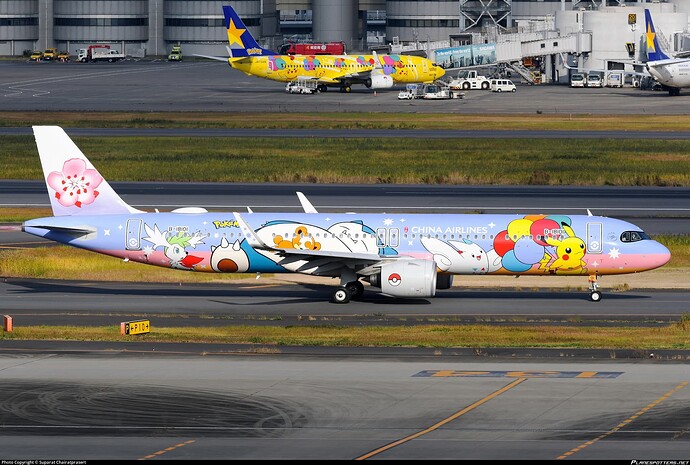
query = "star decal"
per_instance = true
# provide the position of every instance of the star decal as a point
(492, 225)
(106, 232)
(651, 35)
(596, 264)
(402, 220)
(235, 35)
(614, 253)
(388, 221)
(120, 227)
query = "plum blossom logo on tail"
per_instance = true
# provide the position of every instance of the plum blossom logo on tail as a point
(75, 185)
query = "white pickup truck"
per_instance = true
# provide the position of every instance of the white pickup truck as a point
(469, 79)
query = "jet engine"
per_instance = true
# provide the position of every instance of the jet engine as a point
(380, 81)
(406, 278)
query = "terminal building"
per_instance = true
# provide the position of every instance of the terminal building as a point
(551, 35)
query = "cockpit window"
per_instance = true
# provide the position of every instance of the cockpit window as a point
(633, 236)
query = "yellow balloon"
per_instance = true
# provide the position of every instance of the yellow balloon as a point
(519, 228)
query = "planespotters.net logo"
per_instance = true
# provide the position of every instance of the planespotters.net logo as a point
(659, 462)
(394, 279)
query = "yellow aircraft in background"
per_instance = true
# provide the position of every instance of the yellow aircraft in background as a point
(374, 71)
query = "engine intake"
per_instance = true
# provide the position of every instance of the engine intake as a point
(406, 278)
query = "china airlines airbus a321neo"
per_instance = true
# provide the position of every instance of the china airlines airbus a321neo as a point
(403, 255)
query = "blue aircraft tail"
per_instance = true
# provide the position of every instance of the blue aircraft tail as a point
(242, 44)
(654, 51)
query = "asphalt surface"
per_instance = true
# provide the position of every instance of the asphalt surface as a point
(215, 87)
(88, 401)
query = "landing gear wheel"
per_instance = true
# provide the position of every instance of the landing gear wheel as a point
(595, 296)
(341, 296)
(356, 289)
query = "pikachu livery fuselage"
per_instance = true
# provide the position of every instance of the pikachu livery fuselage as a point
(372, 70)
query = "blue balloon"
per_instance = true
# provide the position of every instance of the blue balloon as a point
(528, 251)
(511, 263)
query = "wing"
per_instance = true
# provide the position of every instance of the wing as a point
(316, 262)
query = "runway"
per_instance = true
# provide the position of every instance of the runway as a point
(272, 302)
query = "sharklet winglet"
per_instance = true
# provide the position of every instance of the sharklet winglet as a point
(254, 241)
(306, 204)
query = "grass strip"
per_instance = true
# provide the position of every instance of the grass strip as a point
(674, 336)
(575, 162)
(347, 120)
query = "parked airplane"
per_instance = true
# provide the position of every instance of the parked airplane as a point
(672, 73)
(374, 71)
(404, 255)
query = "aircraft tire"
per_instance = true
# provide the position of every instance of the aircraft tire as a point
(595, 296)
(341, 296)
(356, 289)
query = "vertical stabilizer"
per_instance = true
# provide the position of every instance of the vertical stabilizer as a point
(75, 187)
(242, 43)
(654, 51)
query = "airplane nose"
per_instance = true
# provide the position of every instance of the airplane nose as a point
(659, 256)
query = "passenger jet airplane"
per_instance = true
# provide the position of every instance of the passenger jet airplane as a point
(404, 255)
(672, 73)
(374, 71)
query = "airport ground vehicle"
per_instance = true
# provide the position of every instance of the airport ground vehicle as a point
(436, 92)
(411, 92)
(469, 79)
(37, 55)
(502, 85)
(330, 48)
(175, 54)
(99, 52)
(594, 80)
(50, 54)
(63, 56)
(302, 86)
(614, 79)
(577, 80)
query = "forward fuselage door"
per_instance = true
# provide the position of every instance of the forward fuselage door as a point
(594, 236)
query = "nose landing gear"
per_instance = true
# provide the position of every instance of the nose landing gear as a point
(594, 293)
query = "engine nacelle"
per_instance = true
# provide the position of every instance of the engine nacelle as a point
(406, 278)
(380, 81)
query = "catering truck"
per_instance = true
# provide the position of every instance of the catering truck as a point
(99, 53)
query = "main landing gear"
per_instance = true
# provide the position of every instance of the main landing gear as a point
(343, 294)
(594, 292)
(350, 288)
